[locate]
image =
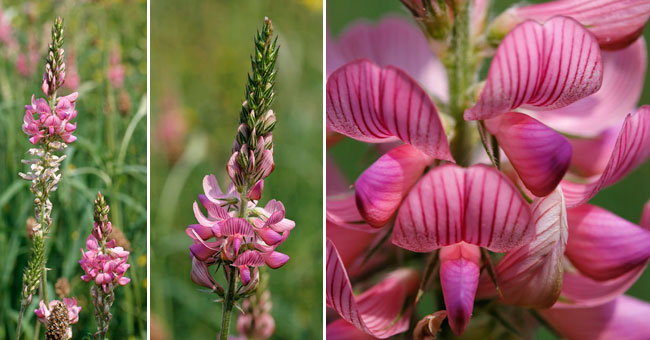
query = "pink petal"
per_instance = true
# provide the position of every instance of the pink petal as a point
(350, 243)
(540, 66)
(580, 291)
(531, 276)
(391, 41)
(200, 274)
(342, 211)
(540, 155)
(623, 75)
(211, 188)
(459, 274)
(198, 230)
(614, 23)
(381, 188)
(335, 182)
(477, 205)
(374, 105)
(604, 246)
(591, 155)
(631, 150)
(244, 275)
(371, 311)
(236, 226)
(275, 259)
(249, 258)
(622, 318)
(269, 236)
(215, 211)
(343, 330)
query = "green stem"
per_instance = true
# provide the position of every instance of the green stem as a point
(460, 70)
(23, 305)
(228, 303)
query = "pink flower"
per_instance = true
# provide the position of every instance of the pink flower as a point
(115, 69)
(40, 121)
(104, 265)
(545, 77)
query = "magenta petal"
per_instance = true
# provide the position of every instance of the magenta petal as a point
(342, 211)
(194, 230)
(392, 41)
(236, 226)
(381, 188)
(371, 311)
(540, 66)
(244, 275)
(531, 276)
(478, 205)
(614, 23)
(374, 105)
(350, 243)
(591, 155)
(623, 75)
(275, 259)
(343, 330)
(249, 258)
(540, 155)
(622, 318)
(459, 274)
(645, 218)
(269, 236)
(580, 291)
(631, 150)
(604, 246)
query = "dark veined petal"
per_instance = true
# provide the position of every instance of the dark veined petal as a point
(540, 66)
(540, 155)
(450, 204)
(531, 276)
(614, 23)
(371, 311)
(374, 104)
(380, 188)
(631, 150)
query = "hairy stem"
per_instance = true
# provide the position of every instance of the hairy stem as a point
(228, 303)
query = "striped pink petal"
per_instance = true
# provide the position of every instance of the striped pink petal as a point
(623, 76)
(622, 318)
(197, 230)
(391, 41)
(351, 243)
(531, 276)
(614, 23)
(459, 274)
(236, 226)
(631, 150)
(381, 188)
(540, 155)
(371, 311)
(374, 104)
(249, 258)
(215, 211)
(604, 246)
(450, 204)
(581, 291)
(540, 66)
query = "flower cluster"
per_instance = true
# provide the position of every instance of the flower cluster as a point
(245, 243)
(237, 233)
(508, 167)
(40, 120)
(256, 322)
(57, 317)
(105, 264)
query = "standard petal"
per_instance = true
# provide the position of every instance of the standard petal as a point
(604, 246)
(478, 205)
(531, 276)
(540, 155)
(381, 188)
(623, 318)
(614, 23)
(631, 150)
(459, 274)
(374, 105)
(540, 66)
(392, 41)
(371, 311)
(623, 76)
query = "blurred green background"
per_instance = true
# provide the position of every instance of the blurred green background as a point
(109, 155)
(199, 61)
(626, 198)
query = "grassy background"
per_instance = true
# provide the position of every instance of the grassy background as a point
(626, 198)
(92, 30)
(199, 61)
